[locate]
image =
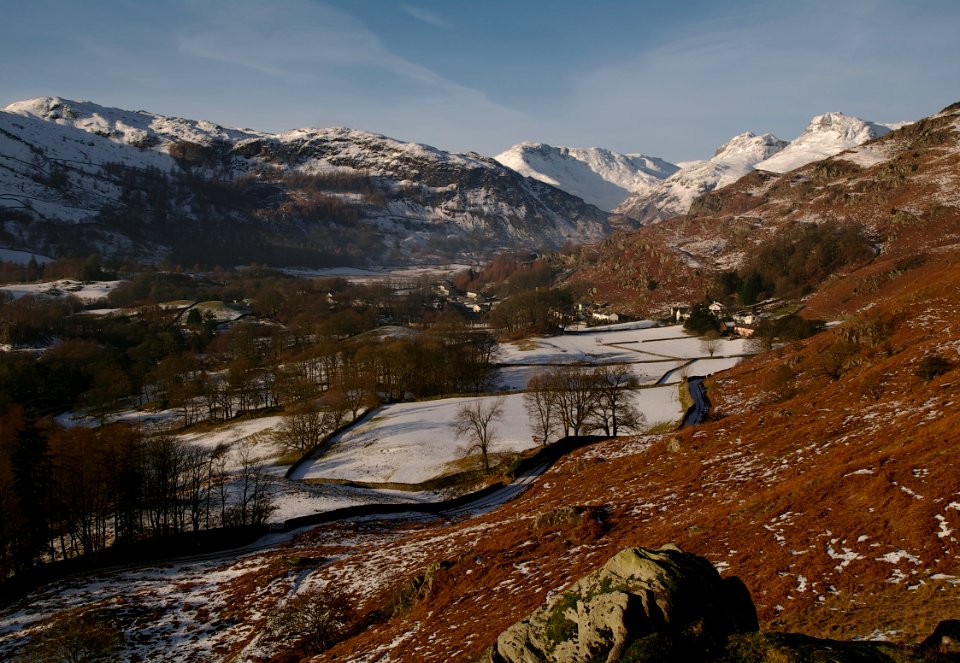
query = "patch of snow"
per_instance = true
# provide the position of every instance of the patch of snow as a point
(846, 556)
(897, 556)
(944, 530)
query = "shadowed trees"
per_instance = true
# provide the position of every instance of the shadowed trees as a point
(577, 400)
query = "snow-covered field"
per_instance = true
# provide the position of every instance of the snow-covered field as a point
(413, 442)
(410, 443)
(22, 257)
(86, 291)
(651, 352)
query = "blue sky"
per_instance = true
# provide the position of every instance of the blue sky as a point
(668, 79)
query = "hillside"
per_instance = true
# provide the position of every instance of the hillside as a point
(78, 178)
(833, 501)
(898, 191)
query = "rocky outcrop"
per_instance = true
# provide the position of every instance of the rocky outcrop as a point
(668, 605)
(638, 593)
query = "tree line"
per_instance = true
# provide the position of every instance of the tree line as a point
(67, 492)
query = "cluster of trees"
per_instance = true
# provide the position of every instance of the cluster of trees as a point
(561, 401)
(307, 330)
(15, 272)
(702, 320)
(794, 262)
(66, 492)
(540, 311)
(508, 273)
(578, 400)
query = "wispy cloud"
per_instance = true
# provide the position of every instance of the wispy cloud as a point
(325, 54)
(767, 71)
(426, 16)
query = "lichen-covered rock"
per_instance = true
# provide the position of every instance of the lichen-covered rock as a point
(638, 592)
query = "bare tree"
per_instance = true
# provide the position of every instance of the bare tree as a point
(614, 411)
(474, 421)
(253, 503)
(304, 430)
(540, 402)
(710, 343)
(576, 398)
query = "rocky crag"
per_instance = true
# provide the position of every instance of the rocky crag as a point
(667, 605)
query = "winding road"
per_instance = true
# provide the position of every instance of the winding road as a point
(697, 413)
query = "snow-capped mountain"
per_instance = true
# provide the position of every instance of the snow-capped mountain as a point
(76, 176)
(601, 177)
(675, 194)
(825, 136)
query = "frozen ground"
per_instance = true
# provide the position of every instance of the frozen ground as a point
(413, 442)
(651, 352)
(86, 291)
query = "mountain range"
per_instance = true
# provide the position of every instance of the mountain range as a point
(897, 194)
(79, 178)
(650, 189)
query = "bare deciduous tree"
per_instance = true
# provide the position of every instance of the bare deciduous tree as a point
(474, 421)
(540, 402)
(614, 411)
(303, 430)
(253, 503)
(710, 343)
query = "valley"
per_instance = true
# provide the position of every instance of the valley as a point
(149, 405)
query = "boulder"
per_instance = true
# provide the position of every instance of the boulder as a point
(943, 643)
(638, 593)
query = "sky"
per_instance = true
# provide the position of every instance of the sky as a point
(668, 79)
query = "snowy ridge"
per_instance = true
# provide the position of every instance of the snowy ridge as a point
(61, 163)
(136, 128)
(826, 135)
(676, 194)
(599, 176)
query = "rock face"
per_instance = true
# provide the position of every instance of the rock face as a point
(637, 594)
(667, 605)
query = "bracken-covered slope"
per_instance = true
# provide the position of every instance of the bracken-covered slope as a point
(78, 177)
(902, 190)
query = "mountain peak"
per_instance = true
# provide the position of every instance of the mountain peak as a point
(826, 135)
(599, 176)
(749, 144)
